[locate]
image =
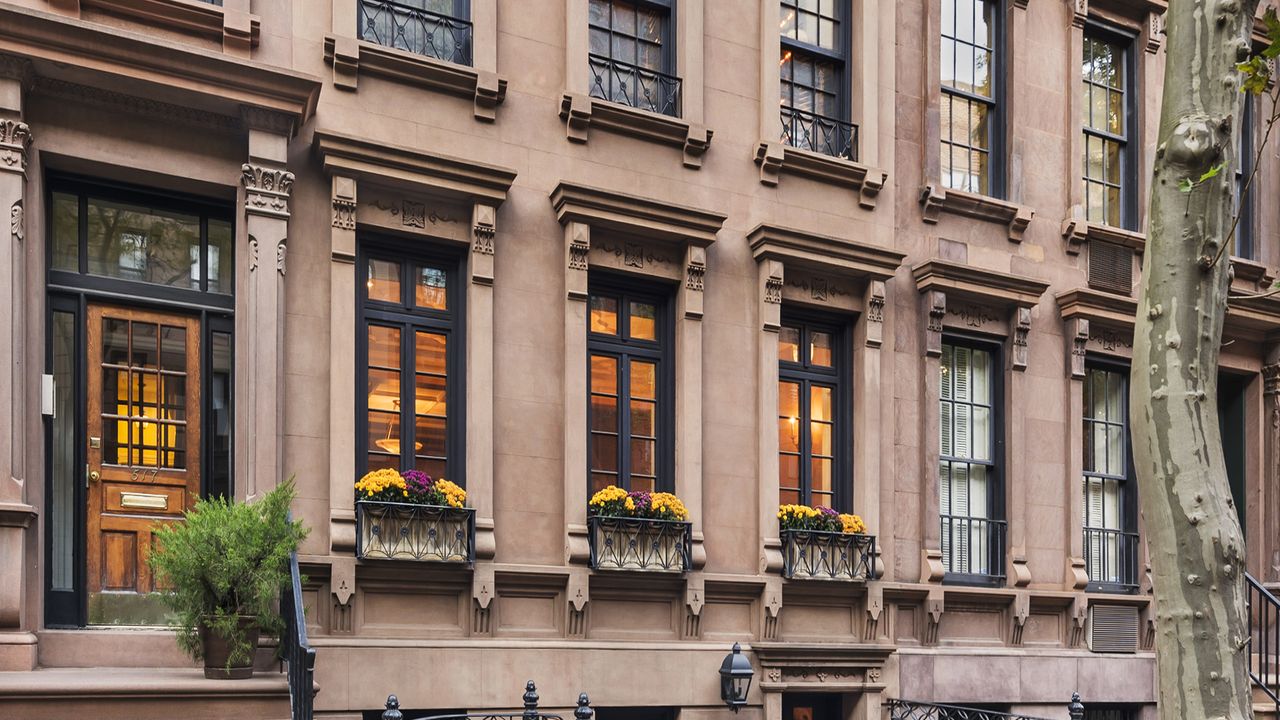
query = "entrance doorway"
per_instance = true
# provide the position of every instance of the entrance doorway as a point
(812, 706)
(1232, 391)
(143, 451)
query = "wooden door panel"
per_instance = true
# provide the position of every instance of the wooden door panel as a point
(143, 437)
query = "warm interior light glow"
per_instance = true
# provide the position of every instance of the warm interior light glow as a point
(786, 57)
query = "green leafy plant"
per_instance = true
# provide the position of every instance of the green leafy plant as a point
(225, 561)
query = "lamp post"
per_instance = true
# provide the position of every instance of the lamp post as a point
(735, 678)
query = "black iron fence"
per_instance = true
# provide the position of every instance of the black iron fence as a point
(1264, 639)
(530, 712)
(405, 27)
(813, 554)
(635, 86)
(1111, 556)
(299, 657)
(810, 131)
(974, 547)
(913, 710)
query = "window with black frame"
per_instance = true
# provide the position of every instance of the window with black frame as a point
(970, 113)
(1242, 244)
(1108, 119)
(973, 533)
(410, 352)
(813, 80)
(1110, 533)
(812, 427)
(630, 407)
(440, 29)
(632, 59)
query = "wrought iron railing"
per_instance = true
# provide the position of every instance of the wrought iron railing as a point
(813, 554)
(405, 27)
(638, 544)
(404, 531)
(973, 548)
(529, 699)
(632, 85)
(1111, 557)
(913, 710)
(1264, 639)
(809, 131)
(299, 657)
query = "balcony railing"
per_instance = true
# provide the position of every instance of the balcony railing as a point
(973, 548)
(817, 555)
(1111, 557)
(635, 86)
(638, 544)
(808, 131)
(403, 531)
(404, 27)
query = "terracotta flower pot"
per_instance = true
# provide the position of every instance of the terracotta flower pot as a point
(217, 649)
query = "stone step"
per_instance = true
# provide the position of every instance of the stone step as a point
(123, 647)
(141, 693)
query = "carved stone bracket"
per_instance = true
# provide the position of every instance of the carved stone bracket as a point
(875, 606)
(1078, 573)
(577, 248)
(482, 592)
(935, 310)
(1155, 28)
(1021, 611)
(15, 136)
(694, 598)
(873, 301)
(1079, 12)
(1079, 617)
(266, 190)
(582, 112)
(1020, 323)
(1077, 340)
(484, 229)
(342, 585)
(933, 607)
(772, 602)
(578, 596)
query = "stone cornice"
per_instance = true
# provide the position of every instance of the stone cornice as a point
(398, 167)
(794, 654)
(139, 64)
(202, 19)
(1098, 307)
(1013, 216)
(797, 248)
(635, 215)
(133, 104)
(985, 286)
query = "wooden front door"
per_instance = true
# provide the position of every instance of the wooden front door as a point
(143, 438)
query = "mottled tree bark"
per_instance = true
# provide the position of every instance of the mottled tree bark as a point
(1197, 546)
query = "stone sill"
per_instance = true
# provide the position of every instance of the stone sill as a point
(349, 57)
(775, 159)
(1077, 232)
(581, 112)
(238, 31)
(1250, 274)
(937, 200)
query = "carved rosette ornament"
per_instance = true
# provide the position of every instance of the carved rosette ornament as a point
(15, 136)
(266, 190)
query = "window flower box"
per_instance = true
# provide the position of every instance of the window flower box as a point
(820, 544)
(642, 531)
(410, 516)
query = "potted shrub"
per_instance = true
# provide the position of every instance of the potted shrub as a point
(223, 568)
(638, 531)
(820, 543)
(411, 516)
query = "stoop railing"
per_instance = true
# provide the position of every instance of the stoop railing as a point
(1264, 639)
(531, 712)
(913, 710)
(297, 654)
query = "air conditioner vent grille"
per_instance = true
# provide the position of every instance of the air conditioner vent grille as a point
(1113, 628)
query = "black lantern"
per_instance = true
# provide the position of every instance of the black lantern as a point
(735, 678)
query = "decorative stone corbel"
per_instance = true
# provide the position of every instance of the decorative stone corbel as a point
(240, 32)
(346, 63)
(15, 136)
(575, 110)
(482, 592)
(1075, 233)
(769, 157)
(1079, 12)
(1019, 573)
(696, 142)
(1020, 323)
(694, 598)
(1155, 28)
(873, 301)
(344, 209)
(483, 229)
(1077, 340)
(1021, 611)
(578, 595)
(342, 585)
(875, 606)
(1018, 225)
(1079, 617)
(577, 238)
(935, 309)
(932, 199)
(872, 184)
(772, 601)
(490, 92)
(695, 269)
(1078, 573)
(266, 190)
(933, 607)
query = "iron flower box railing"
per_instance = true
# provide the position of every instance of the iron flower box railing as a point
(822, 555)
(419, 31)
(819, 133)
(634, 86)
(621, 543)
(402, 531)
(1111, 557)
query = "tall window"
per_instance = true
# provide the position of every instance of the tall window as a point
(632, 60)
(1110, 540)
(631, 391)
(1107, 77)
(815, 98)
(969, 463)
(436, 28)
(410, 326)
(1243, 244)
(970, 79)
(812, 430)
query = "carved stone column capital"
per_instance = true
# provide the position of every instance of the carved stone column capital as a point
(15, 136)
(935, 309)
(267, 190)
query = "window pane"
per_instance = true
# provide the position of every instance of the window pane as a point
(642, 456)
(789, 344)
(789, 434)
(430, 289)
(604, 315)
(821, 474)
(789, 471)
(604, 452)
(384, 390)
(430, 354)
(66, 232)
(820, 349)
(604, 413)
(643, 421)
(644, 379)
(820, 440)
(431, 398)
(429, 436)
(384, 281)
(221, 260)
(173, 348)
(604, 374)
(144, 346)
(220, 422)
(135, 242)
(384, 346)
(789, 399)
(62, 505)
(820, 403)
(643, 317)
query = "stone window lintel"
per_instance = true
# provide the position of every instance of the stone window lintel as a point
(582, 112)
(776, 158)
(937, 200)
(349, 57)
(239, 31)
(1076, 232)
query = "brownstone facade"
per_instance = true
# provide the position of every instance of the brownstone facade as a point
(508, 161)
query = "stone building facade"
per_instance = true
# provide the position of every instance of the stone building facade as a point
(905, 292)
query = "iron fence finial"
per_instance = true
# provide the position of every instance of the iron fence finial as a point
(530, 701)
(1076, 708)
(583, 711)
(393, 709)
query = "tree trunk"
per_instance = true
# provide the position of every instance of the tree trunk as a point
(1197, 546)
